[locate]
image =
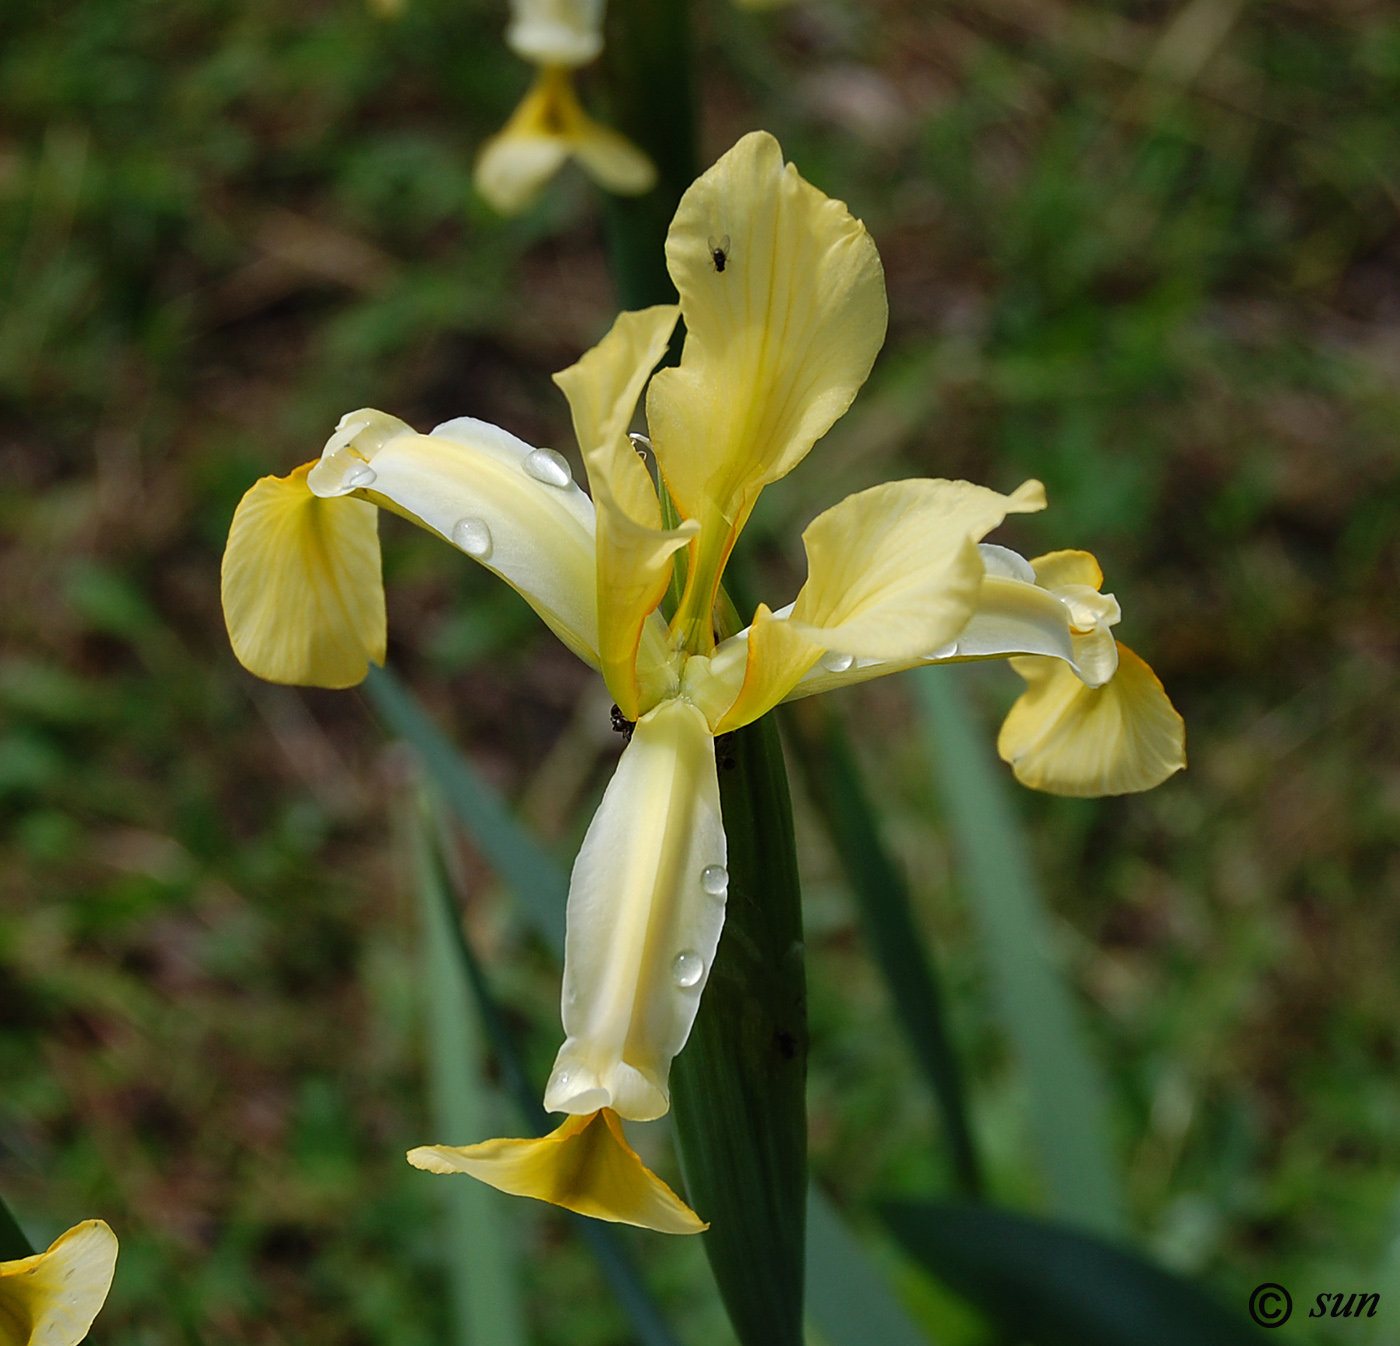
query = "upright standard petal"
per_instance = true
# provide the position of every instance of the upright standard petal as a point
(52, 1298)
(513, 508)
(556, 32)
(634, 551)
(303, 595)
(892, 574)
(547, 127)
(784, 304)
(1066, 738)
(585, 1165)
(646, 905)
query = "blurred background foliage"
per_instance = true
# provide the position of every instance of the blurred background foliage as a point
(1147, 252)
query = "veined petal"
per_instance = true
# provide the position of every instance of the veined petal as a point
(515, 509)
(784, 303)
(893, 573)
(51, 1299)
(634, 551)
(586, 1165)
(556, 32)
(303, 596)
(548, 126)
(1069, 739)
(642, 926)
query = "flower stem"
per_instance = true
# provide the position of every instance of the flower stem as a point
(647, 71)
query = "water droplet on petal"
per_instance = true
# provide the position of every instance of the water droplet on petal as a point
(687, 968)
(473, 537)
(835, 662)
(549, 466)
(714, 879)
(944, 651)
(359, 477)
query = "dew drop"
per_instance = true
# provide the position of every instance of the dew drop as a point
(549, 466)
(835, 662)
(714, 879)
(687, 968)
(359, 477)
(473, 537)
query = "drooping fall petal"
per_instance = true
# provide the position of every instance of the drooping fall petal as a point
(893, 573)
(585, 1165)
(1069, 739)
(784, 303)
(646, 906)
(303, 596)
(633, 550)
(513, 508)
(549, 126)
(51, 1299)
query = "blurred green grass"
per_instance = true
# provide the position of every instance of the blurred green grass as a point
(1147, 253)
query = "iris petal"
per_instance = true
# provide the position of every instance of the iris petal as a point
(1069, 739)
(52, 1298)
(585, 1165)
(642, 927)
(302, 591)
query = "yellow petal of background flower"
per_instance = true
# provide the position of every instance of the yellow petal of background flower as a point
(52, 1298)
(634, 551)
(547, 127)
(302, 592)
(611, 160)
(513, 508)
(1069, 739)
(586, 1165)
(777, 343)
(642, 927)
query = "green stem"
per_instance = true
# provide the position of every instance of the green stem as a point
(739, 1085)
(647, 72)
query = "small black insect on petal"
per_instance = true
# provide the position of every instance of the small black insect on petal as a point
(622, 725)
(719, 251)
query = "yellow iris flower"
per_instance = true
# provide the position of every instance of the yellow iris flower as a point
(51, 1299)
(783, 298)
(550, 125)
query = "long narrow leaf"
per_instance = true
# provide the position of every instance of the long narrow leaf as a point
(13, 1242)
(847, 1298)
(1067, 1097)
(537, 881)
(463, 791)
(1052, 1285)
(835, 787)
(480, 1265)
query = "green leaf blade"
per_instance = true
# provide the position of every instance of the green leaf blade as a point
(1069, 1111)
(1047, 1283)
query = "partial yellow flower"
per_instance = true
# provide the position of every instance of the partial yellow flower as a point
(585, 1165)
(548, 128)
(51, 1299)
(783, 302)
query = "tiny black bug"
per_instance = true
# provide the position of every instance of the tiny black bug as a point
(719, 252)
